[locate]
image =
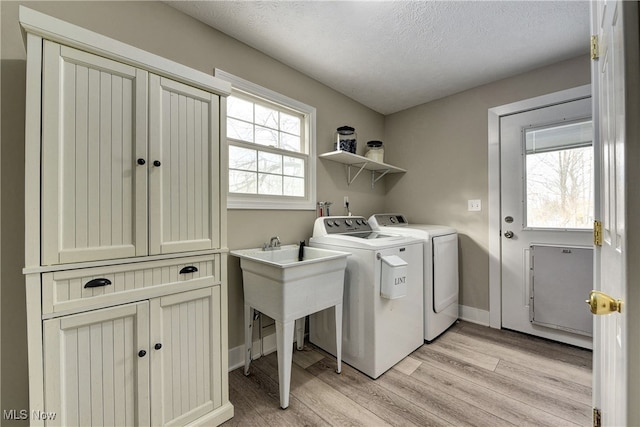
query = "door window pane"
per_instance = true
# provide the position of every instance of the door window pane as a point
(559, 177)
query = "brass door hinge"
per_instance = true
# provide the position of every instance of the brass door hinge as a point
(597, 233)
(597, 417)
(595, 53)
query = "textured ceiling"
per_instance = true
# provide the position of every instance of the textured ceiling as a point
(392, 55)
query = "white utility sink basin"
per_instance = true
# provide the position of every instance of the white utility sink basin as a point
(285, 289)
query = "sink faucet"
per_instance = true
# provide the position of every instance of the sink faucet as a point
(274, 243)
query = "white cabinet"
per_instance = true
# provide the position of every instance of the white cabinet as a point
(184, 168)
(186, 369)
(125, 233)
(94, 115)
(93, 373)
(153, 362)
(125, 153)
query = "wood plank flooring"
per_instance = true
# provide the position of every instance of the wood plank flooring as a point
(470, 376)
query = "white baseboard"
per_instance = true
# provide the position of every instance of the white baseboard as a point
(236, 357)
(236, 354)
(474, 315)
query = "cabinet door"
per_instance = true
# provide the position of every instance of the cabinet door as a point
(94, 112)
(186, 371)
(94, 374)
(184, 159)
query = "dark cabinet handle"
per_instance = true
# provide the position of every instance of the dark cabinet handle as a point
(156, 163)
(158, 346)
(141, 162)
(96, 283)
(189, 269)
(142, 353)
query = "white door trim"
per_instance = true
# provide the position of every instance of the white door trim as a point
(495, 283)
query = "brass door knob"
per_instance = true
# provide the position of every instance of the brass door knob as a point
(601, 303)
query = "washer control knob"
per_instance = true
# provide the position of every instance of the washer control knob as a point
(364, 222)
(349, 222)
(359, 221)
(337, 223)
(329, 223)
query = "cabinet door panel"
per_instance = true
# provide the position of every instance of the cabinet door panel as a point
(186, 372)
(93, 374)
(94, 193)
(184, 188)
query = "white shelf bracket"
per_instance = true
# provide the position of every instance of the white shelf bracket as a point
(349, 179)
(378, 169)
(374, 179)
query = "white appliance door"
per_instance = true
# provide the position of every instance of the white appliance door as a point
(445, 271)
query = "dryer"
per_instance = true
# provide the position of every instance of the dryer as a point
(441, 281)
(383, 293)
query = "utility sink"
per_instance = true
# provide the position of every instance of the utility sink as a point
(282, 287)
(277, 284)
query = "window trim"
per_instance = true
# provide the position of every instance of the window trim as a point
(525, 185)
(261, 201)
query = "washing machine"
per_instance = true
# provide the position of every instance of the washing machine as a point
(382, 306)
(441, 283)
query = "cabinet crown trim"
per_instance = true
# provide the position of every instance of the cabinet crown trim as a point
(72, 35)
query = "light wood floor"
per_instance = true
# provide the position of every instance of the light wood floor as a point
(471, 375)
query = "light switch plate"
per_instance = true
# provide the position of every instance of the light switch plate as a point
(474, 205)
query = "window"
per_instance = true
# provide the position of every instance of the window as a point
(559, 176)
(271, 141)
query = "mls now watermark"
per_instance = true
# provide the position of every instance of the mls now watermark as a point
(24, 414)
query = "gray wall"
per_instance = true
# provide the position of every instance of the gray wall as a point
(444, 148)
(442, 144)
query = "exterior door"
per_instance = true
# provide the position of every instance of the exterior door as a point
(186, 357)
(184, 188)
(546, 158)
(94, 374)
(615, 346)
(94, 128)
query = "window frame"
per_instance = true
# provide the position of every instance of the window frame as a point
(262, 201)
(525, 152)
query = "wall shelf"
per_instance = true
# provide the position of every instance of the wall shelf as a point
(362, 163)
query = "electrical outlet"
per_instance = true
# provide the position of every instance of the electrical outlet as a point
(346, 201)
(474, 205)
